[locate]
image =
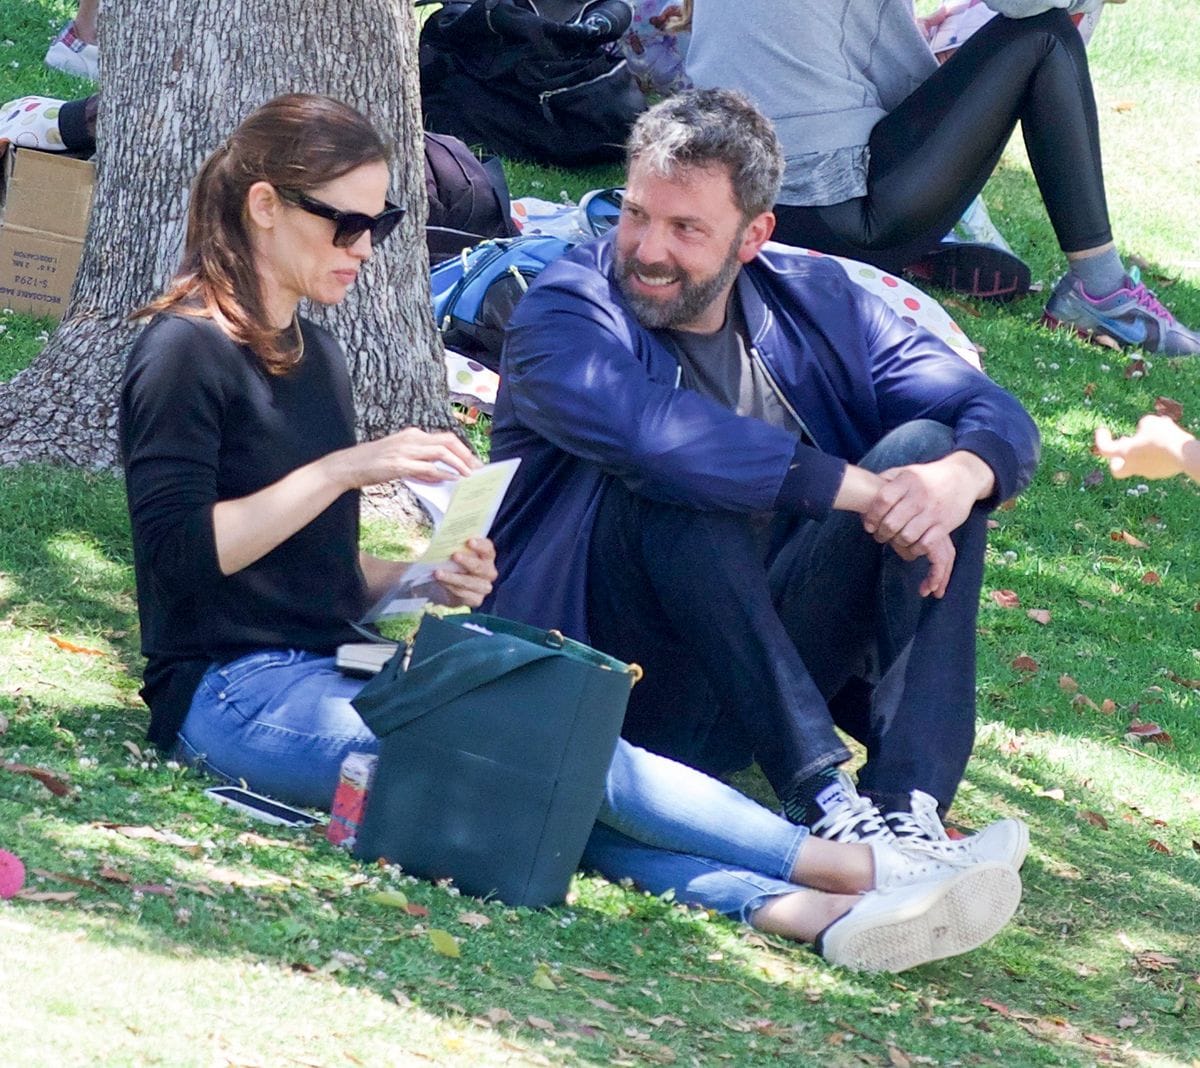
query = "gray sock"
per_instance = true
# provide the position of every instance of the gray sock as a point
(1099, 275)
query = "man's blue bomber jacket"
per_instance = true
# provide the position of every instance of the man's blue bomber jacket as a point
(587, 395)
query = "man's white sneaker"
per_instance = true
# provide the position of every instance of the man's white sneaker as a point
(848, 816)
(920, 832)
(893, 930)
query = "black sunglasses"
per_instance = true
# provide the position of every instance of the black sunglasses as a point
(349, 226)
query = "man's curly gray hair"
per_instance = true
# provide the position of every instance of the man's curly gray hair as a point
(710, 127)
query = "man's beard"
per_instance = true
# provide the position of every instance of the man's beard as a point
(693, 298)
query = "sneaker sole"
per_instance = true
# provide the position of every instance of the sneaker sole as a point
(1096, 337)
(959, 914)
(974, 270)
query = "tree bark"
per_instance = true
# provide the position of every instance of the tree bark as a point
(178, 75)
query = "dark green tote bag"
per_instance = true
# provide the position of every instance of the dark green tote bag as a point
(495, 744)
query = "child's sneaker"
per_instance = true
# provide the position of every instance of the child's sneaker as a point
(68, 52)
(1132, 317)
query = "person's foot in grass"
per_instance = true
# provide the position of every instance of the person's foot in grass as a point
(896, 929)
(839, 813)
(918, 829)
(1129, 316)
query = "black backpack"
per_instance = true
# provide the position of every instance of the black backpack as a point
(537, 80)
(468, 198)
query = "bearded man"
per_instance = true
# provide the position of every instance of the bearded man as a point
(747, 474)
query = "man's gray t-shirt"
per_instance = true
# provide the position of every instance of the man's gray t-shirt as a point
(722, 367)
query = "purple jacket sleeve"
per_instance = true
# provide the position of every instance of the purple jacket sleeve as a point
(987, 420)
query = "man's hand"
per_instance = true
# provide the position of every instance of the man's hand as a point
(920, 505)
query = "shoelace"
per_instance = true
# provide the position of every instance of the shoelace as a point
(1146, 297)
(922, 829)
(855, 821)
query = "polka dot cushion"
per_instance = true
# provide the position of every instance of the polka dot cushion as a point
(470, 382)
(31, 122)
(911, 304)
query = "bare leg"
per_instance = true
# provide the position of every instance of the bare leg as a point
(835, 867)
(801, 916)
(85, 20)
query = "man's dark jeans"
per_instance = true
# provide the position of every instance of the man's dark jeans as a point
(746, 659)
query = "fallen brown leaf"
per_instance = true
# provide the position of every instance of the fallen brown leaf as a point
(114, 876)
(1159, 847)
(1067, 684)
(1025, 663)
(1128, 539)
(1135, 369)
(1148, 732)
(66, 877)
(1191, 684)
(47, 895)
(1108, 706)
(1154, 961)
(152, 834)
(1169, 407)
(71, 647)
(1005, 598)
(1039, 615)
(56, 784)
(1150, 578)
(599, 976)
(1100, 1040)
(1094, 818)
(1093, 478)
(1081, 700)
(958, 305)
(474, 920)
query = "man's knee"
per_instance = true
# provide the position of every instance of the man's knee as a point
(917, 442)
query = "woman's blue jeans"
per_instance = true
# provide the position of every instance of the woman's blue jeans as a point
(282, 721)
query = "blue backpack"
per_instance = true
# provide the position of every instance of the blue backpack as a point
(474, 293)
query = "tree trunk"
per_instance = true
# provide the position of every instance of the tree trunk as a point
(178, 76)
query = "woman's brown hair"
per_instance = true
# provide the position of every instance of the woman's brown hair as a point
(295, 142)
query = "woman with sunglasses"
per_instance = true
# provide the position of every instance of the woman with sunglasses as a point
(242, 472)
(242, 468)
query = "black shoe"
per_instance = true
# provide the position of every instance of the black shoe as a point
(986, 272)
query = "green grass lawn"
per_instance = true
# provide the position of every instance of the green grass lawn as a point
(173, 932)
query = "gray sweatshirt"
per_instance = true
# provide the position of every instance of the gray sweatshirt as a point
(825, 72)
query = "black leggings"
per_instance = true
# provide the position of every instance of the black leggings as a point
(932, 155)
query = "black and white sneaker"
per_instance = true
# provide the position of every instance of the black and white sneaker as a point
(920, 832)
(847, 816)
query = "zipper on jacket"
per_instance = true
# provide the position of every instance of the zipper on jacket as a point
(757, 357)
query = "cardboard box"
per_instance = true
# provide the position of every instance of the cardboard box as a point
(46, 200)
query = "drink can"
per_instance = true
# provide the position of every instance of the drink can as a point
(350, 798)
